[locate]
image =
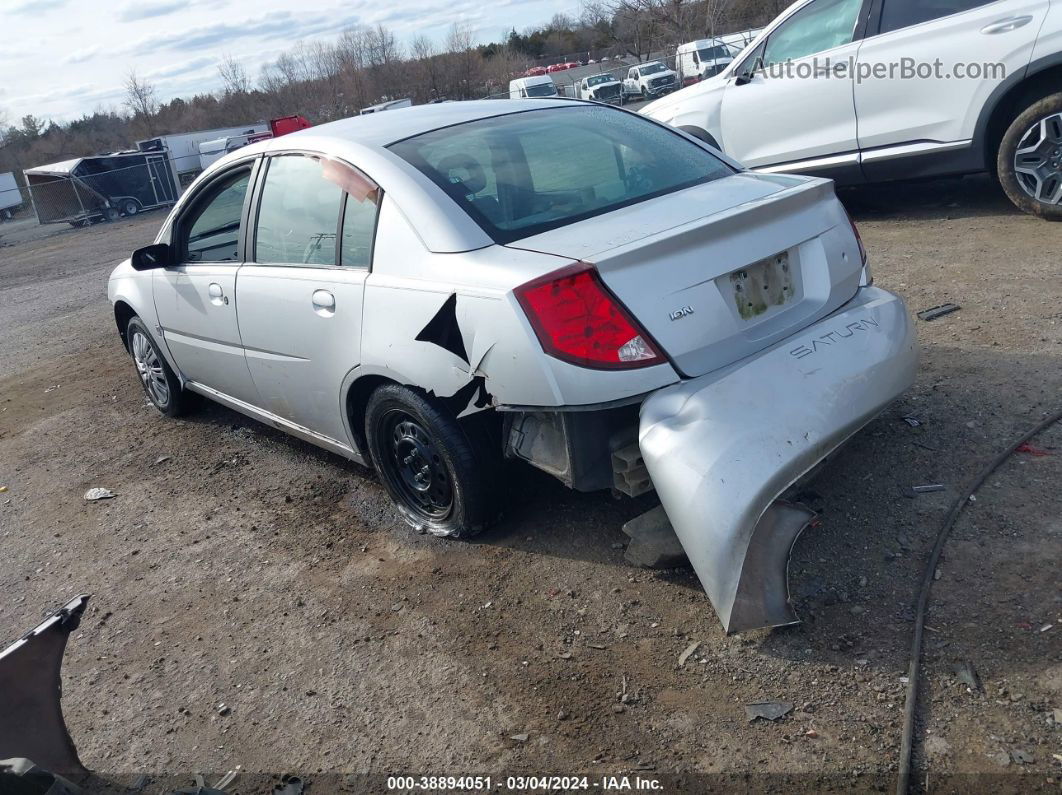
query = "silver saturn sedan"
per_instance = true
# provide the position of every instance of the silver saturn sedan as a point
(432, 290)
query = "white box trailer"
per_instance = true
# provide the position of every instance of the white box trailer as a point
(10, 195)
(183, 148)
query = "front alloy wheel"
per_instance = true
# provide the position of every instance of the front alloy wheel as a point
(149, 367)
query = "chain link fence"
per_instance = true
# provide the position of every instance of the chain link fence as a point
(88, 190)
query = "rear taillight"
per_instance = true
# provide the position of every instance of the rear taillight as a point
(579, 321)
(859, 239)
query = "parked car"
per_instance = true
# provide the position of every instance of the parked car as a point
(556, 67)
(556, 282)
(650, 80)
(528, 87)
(697, 60)
(572, 65)
(535, 71)
(784, 106)
(600, 88)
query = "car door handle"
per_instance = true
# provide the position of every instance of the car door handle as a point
(1006, 25)
(217, 295)
(324, 303)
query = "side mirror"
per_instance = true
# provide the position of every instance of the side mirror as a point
(158, 255)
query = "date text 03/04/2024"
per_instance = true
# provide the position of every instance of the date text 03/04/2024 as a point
(522, 783)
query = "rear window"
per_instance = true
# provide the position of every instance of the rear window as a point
(525, 173)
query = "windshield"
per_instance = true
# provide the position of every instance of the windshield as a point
(712, 53)
(652, 69)
(524, 173)
(541, 90)
(597, 80)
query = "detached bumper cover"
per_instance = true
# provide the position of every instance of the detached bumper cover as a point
(723, 447)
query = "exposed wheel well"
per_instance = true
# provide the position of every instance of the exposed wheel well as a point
(357, 400)
(123, 313)
(1017, 99)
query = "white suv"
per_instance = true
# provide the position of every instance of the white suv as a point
(873, 90)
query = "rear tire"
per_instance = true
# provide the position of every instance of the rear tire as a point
(160, 383)
(1029, 162)
(441, 473)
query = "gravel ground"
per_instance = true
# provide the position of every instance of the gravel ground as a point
(242, 568)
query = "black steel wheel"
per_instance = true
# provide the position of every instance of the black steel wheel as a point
(439, 471)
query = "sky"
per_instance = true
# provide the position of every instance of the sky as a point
(60, 59)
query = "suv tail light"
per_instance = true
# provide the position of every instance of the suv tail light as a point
(578, 320)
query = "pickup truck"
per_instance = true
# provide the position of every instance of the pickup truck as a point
(600, 88)
(650, 80)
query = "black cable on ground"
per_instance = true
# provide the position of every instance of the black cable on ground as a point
(903, 777)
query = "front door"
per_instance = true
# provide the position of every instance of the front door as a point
(791, 108)
(300, 298)
(195, 300)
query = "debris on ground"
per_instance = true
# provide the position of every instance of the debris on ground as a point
(99, 494)
(162, 459)
(688, 652)
(1031, 449)
(224, 709)
(914, 422)
(928, 489)
(938, 311)
(967, 674)
(520, 738)
(767, 710)
(1021, 757)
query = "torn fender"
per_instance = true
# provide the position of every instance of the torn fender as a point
(31, 715)
(723, 447)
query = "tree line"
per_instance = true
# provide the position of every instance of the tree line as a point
(327, 80)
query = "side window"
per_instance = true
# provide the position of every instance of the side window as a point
(213, 228)
(817, 27)
(359, 221)
(299, 213)
(898, 14)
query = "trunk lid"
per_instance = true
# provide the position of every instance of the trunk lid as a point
(719, 271)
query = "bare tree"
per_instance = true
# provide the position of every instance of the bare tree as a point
(140, 99)
(426, 65)
(233, 76)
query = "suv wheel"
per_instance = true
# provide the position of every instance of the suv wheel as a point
(439, 472)
(1030, 159)
(161, 384)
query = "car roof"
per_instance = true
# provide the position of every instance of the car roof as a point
(387, 127)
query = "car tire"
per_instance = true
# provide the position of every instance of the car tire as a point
(441, 473)
(161, 385)
(1039, 194)
(130, 207)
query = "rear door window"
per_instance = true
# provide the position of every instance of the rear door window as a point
(897, 14)
(299, 213)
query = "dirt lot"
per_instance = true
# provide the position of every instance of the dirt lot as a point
(239, 567)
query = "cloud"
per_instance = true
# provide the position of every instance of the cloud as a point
(274, 25)
(180, 69)
(35, 5)
(137, 11)
(82, 55)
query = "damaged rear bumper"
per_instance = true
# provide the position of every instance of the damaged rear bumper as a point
(722, 448)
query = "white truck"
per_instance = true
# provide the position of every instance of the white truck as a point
(536, 86)
(183, 148)
(700, 59)
(600, 88)
(10, 196)
(650, 80)
(391, 104)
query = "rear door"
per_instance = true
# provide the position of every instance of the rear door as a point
(300, 295)
(795, 108)
(962, 51)
(195, 300)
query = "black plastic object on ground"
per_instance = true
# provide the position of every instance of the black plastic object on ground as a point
(938, 311)
(31, 716)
